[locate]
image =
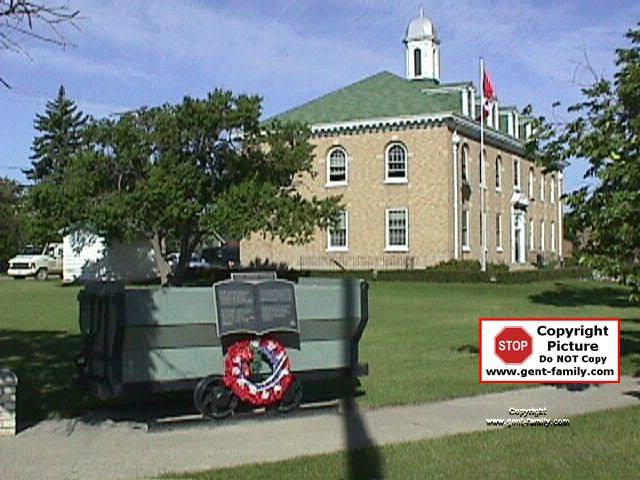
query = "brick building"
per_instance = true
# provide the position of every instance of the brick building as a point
(405, 155)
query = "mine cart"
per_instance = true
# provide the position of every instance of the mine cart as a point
(207, 339)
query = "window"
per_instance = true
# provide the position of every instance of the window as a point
(338, 233)
(532, 245)
(553, 236)
(552, 190)
(465, 163)
(466, 244)
(542, 235)
(542, 188)
(397, 229)
(337, 167)
(499, 232)
(417, 62)
(516, 173)
(483, 159)
(531, 180)
(498, 173)
(396, 165)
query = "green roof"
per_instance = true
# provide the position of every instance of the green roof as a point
(379, 96)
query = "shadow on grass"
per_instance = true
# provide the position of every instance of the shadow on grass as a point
(630, 347)
(44, 363)
(467, 348)
(570, 296)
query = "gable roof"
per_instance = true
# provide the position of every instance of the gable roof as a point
(379, 96)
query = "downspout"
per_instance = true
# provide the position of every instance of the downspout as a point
(455, 140)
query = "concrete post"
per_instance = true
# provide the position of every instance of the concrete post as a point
(8, 384)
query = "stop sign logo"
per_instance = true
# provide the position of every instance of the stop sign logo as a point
(513, 345)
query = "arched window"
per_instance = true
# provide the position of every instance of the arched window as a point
(396, 164)
(417, 62)
(498, 173)
(542, 189)
(552, 189)
(337, 166)
(465, 163)
(531, 179)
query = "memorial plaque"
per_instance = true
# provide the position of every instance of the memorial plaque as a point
(276, 300)
(256, 307)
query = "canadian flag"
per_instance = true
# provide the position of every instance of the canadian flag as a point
(488, 92)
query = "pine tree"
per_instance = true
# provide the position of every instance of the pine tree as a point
(60, 137)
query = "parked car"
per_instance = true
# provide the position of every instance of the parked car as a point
(222, 257)
(37, 262)
(196, 262)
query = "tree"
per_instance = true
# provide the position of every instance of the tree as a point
(181, 172)
(11, 220)
(20, 18)
(604, 131)
(60, 137)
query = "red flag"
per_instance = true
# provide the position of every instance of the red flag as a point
(488, 92)
(488, 89)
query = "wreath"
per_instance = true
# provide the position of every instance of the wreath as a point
(242, 363)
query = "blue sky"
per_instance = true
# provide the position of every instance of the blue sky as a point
(132, 53)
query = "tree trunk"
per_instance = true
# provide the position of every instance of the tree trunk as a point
(188, 243)
(164, 271)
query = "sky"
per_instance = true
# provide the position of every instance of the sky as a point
(131, 53)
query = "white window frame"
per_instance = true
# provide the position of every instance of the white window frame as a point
(532, 236)
(552, 190)
(542, 189)
(542, 234)
(553, 236)
(531, 183)
(499, 173)
(339, 183)
(499, 233)
(517, 169)
(396, 248)
(466, 235)
(396, 180)
(340, 248)
(464, 163)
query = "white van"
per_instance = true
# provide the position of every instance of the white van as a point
(37, 262)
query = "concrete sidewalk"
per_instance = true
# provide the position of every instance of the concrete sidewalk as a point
(69, 449)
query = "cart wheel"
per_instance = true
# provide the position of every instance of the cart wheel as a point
(292, 399)
(212, 399)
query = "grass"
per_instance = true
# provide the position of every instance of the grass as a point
(421, 342)
(596, 446)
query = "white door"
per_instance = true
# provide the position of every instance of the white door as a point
(517, 238)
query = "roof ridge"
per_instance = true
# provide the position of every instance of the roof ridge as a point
(333, 92)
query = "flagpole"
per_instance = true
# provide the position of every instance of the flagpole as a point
(483, 239)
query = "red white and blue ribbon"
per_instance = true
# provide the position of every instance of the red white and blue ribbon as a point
(237, 371)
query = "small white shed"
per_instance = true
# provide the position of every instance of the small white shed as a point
(87, 257)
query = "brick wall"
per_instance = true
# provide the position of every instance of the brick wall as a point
(8, 384)
(428, 197)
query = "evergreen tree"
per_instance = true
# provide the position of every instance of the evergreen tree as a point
(60, 129)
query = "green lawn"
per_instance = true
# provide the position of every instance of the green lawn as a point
(601, 445)
(421, 342)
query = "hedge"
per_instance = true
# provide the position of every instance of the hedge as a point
(437, 274)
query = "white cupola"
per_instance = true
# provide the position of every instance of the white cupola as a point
(422, 49)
